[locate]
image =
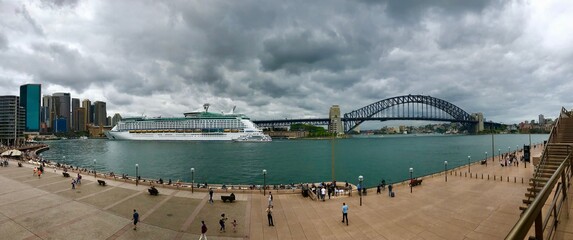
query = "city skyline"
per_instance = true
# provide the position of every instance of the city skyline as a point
(511, 60)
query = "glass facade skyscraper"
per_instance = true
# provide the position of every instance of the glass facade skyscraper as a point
(30, 98)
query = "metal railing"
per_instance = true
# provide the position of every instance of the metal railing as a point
(533, 214)
(545, 157)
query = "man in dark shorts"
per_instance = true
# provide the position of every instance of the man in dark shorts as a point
(135, 219)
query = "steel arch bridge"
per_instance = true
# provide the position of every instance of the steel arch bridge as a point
(408, 107)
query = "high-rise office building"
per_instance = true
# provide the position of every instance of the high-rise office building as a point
(75, 117)
(335, 125)
(541, 119)
(87, 104)
(115, 119)
(62, 109)
(47, 112)
(30, 99)
(82, 123)
(12, 120)
(100, 113)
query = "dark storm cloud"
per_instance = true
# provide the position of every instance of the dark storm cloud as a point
(289, 59)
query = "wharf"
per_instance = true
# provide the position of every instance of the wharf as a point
(464, 207)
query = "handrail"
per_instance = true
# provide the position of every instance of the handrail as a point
(544, 156)
(521, 228)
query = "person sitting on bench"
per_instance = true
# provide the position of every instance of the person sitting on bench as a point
(153, 191)
(231, 198)
(101, 182)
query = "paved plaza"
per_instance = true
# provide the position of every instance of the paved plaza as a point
(464, 207)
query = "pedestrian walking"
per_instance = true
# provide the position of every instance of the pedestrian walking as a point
(270, 199)
(203, 231)
(345, 213)
(235, 225)
(378, 189)
(211, 195)
(323, 193)
(73, 183)
(135, 219)
(222, 222)
(270, 216)
(79, 179)
(39, 173)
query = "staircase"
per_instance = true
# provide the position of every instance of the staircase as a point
(558, 147)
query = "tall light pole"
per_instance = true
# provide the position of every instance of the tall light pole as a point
(136, 174)
(469, 166)
(360, 179)
(516, 148)
(95, 168)
(508, 150)
(411, 171)
(264, 181)
(64, 161)
(499, 153)
(486, 159)
(446, 170)
(192, 179)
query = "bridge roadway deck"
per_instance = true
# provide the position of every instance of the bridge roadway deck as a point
(462, 208)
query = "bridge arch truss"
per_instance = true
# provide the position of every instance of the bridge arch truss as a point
(408, 107)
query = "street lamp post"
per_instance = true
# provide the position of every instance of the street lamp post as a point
(446, 170)
(360, 179)
(411, 171)
(192, 179)
(95, 169)
(499, 153)
(486, 159)
(516, 148)
(136, 174)
(264, 181)
(508, 150)
(64, 161)
(469, 166)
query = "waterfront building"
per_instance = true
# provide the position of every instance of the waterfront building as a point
(61, 103)
(12, 120)
(60, 125)
(30, 99)
(47, 113)
(87, 104)
(541, 119)
(335, 125)
(100, 113)
(116, 118)
(75, 117)
(81, 119)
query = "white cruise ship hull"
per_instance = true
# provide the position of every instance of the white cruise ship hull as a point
(174, 136)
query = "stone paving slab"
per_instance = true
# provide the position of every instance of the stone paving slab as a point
(142, 203)
(98, 225)
(12, 230)
(57, 186)
(31, 205)
(82, 190)
(42, 220)
(211, 213)
(173, 213)
(107, 198)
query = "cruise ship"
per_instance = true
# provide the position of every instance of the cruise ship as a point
(195, 126)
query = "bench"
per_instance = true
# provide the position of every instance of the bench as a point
(415, 182)
(101, 182)
(231, 198)
(66, 174)
(153, 191)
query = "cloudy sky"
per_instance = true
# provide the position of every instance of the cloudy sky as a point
(511, 60)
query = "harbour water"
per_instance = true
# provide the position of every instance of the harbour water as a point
(286, 161)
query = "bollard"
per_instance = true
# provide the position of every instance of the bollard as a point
(494, 177)
(488, 177)
(482, 176)
(507, 178)
(522, 180)
(514, 179)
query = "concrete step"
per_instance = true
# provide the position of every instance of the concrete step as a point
(522, 208)
(531, 195)
(526, 201)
